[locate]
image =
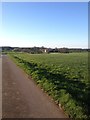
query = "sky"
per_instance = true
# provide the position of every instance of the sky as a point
(48, 24)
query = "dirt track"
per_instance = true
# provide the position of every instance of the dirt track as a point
(22, 98)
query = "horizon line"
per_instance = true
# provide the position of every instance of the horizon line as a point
(44, 47)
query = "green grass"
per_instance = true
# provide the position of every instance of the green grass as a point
(62, 76)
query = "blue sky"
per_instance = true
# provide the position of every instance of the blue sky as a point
(62, 24)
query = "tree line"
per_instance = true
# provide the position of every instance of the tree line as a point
(39, 50)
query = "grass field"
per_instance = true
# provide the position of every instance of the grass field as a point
(62, 76)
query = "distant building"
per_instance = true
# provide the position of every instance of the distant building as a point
(45, 50)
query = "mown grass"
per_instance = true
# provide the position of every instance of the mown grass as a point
(62, 76)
